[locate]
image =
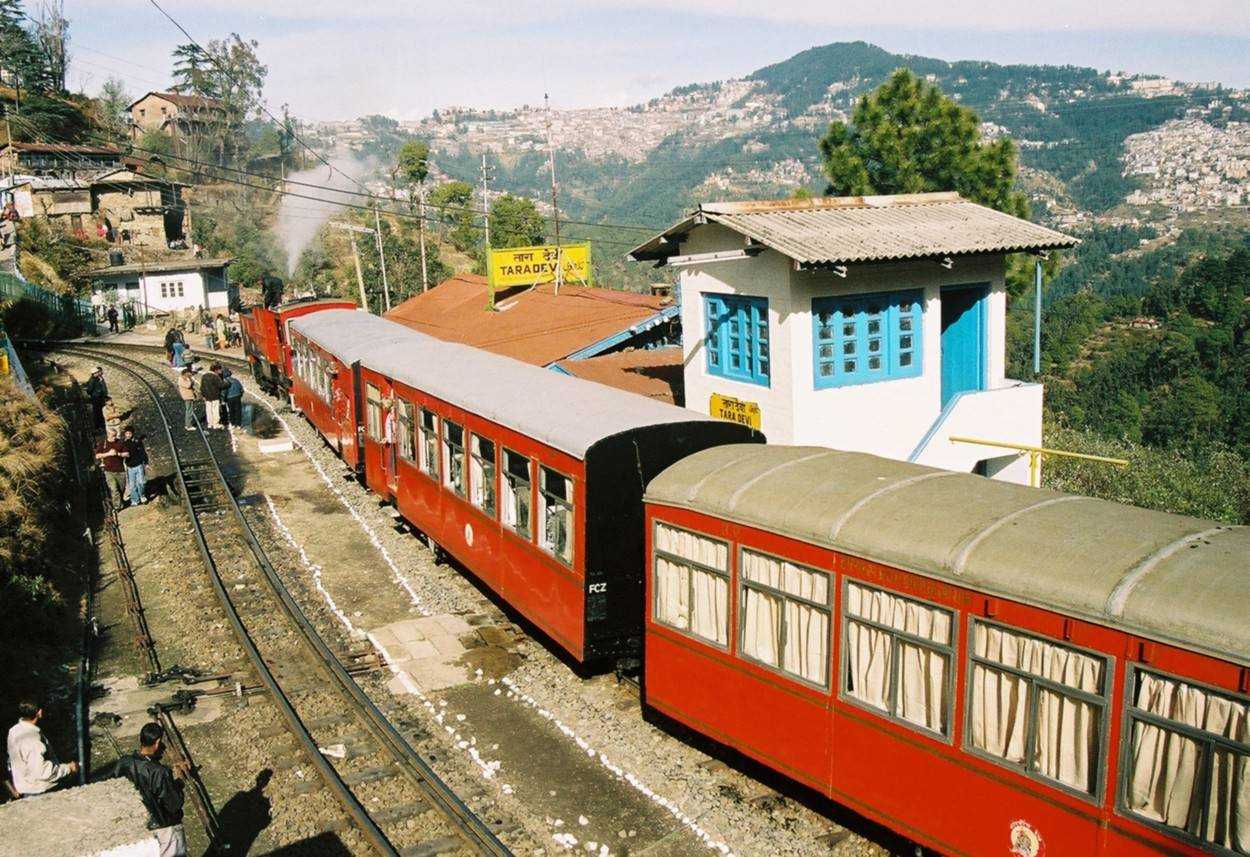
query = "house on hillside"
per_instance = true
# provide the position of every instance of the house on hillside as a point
(180, 117)
(535, 325)
(149, 211)
(168, 286)
(874, 324)
(57, 159)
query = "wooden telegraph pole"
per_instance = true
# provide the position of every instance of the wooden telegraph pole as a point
(360, 277)
(555, 208)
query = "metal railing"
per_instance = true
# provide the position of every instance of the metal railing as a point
(67, 308)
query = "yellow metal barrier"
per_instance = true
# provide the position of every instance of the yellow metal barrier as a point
(1036, 453)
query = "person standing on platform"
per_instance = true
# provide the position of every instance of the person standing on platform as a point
(160, 789)
(136, 467)
(186, 389)
(111, 315)
(111, 453)
(219, 330)
(234, 400)
(33, 768)
(210, 391)
(97, 394)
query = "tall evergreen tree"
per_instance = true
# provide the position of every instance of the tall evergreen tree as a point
(908, 137)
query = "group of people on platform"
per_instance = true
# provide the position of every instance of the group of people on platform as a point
(34, 770)
(120, 453)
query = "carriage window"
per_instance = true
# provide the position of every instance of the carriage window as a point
(453, 457)
(555, 510)
(482, 474)
(691, 587)
(327, 381)
(1037, 705)
(516, 498)
(785, 616)
(1188, 767)
(429, 443)
(407, 448)
(373, 412)
(898, 656)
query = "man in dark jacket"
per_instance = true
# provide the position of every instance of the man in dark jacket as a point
(159, 788)
(210, 390)
(97, 394)
(234, 400)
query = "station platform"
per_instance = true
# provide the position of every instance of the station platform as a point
(145, 335)
(104, 819)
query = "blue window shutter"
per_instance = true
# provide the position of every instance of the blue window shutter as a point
(737, 337)
(842, 353)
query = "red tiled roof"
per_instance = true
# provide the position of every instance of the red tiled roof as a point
(531, 325)
(192, 101)
(652, 372)
(64, 148)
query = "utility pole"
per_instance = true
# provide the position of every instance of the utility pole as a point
(425, 285)
(485, 201)
(555, 208)
(360, 277)
(377, 233)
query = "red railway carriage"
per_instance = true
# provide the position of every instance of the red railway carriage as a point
(325, 348)
(531, 479)
(265, 339)
(983, 667)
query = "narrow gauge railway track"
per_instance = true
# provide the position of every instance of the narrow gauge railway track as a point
(288, 655)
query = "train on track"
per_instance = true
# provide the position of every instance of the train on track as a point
(982, 667)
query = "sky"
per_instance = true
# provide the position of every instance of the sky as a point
(334, 60)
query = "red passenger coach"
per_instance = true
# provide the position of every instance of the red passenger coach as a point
(531, 479)
(983, 667)
(265, 339)
(325, 349)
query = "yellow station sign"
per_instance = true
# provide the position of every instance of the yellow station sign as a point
(532, 266)
(735, 410)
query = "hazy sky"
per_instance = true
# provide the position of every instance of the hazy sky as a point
(332, 59)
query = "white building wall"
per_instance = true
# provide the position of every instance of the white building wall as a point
(887, 417)
(766, 275)
(195, 291)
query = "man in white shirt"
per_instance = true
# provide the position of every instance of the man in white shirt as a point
(32, 764)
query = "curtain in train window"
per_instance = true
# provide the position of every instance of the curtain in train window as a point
(516, 495)
(1190, 762)
(555, 511)
(373, 413)
(429, 443)
(482, 474)
(898, 656)
(691, 585)
(453, 457)
(1038, 705)
(407, 445)
(785, 621)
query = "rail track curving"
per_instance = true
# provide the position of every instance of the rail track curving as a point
(307, 680)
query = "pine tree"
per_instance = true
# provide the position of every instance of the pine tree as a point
(908, 137)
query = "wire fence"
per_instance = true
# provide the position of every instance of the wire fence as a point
(75, 312)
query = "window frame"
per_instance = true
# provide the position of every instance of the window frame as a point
(541, 507)
(951, 649)
(429, 465)
(373, 413)
(505, 475)
(728, 574)
(828, 609)
(1108, 681)
(445, 445)
(1207, 739)
(405, 428)
(718, 346)
(475, 438)
(892, 370)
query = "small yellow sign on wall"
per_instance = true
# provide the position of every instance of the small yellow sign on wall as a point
(735, 410)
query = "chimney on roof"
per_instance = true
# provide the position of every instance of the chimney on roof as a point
(662, 290)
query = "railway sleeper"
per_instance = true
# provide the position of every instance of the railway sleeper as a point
(434, 846)
(401, 811)
(370, 775)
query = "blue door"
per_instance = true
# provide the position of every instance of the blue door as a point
(963, 340)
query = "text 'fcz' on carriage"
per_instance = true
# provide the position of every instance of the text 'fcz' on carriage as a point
(531, 479)
(983, 667)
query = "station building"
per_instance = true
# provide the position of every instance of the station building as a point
(871, 324)
(165, 286)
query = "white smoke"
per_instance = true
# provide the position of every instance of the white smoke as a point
(323, 193)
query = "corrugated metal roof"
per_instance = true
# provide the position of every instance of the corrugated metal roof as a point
(566, 413)
(845, 230)
(1166, 577)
